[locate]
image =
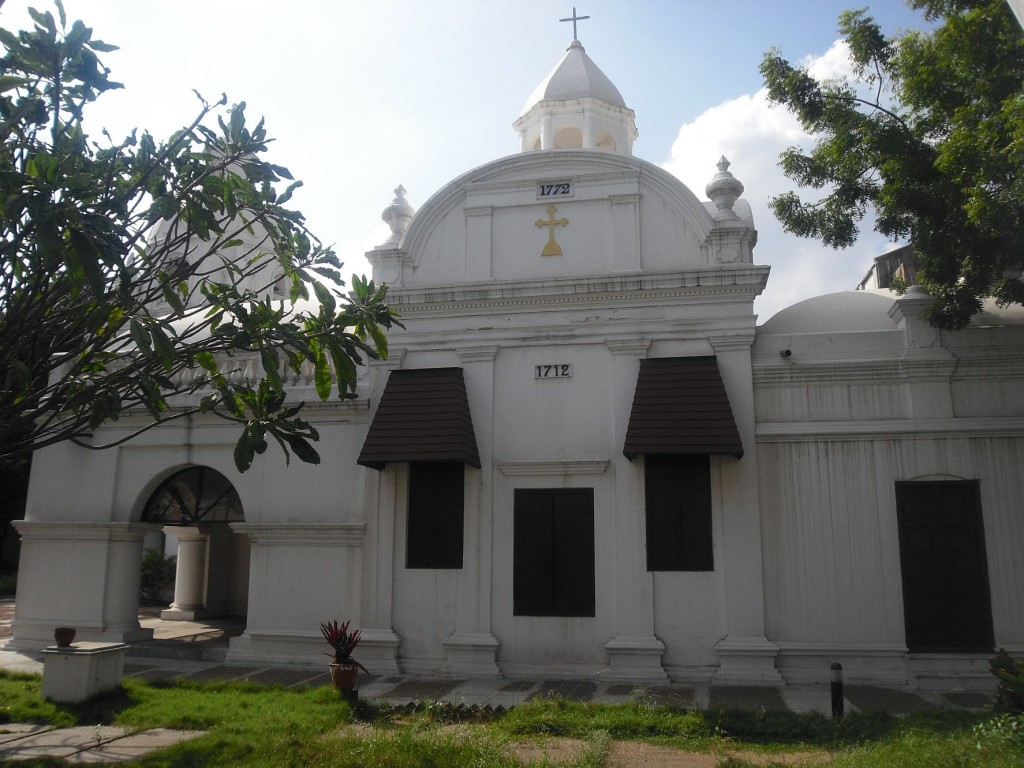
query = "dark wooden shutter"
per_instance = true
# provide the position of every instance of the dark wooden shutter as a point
(573, 577)
(678, 510)
(946, 601)
(533, 555)
(436, 515)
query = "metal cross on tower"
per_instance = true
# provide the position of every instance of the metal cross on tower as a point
(574, 18)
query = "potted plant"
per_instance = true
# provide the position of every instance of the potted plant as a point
(344, 667)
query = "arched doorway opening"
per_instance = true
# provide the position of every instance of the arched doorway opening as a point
(196, 507)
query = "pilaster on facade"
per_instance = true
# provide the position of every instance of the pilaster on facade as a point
(629, 347)
(393, 361)
(483, 353)
(387, 264)
(747, 661)
(741, 340)
(635, 658)
(471, 654)
(378, 650)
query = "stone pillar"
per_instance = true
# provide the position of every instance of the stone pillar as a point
(81, 575)
(472, 649)
(383, 488)
(745, 654)
(190, 576)
(926, 364)
(547, 135)
(625, 230)
(479, 247)
(286, 609)
(634, 654)
(588, 129)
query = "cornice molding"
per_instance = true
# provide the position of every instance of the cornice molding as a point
(892, 429)
(742, 280)
(548, 468)
(303, 534)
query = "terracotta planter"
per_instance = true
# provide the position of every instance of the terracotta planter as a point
(343, 676)
(64, 636)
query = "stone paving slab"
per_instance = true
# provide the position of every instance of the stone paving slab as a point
(87, 744)
(574, 690)
(133, 746)
(682, 697)
(60, 742)
(517, 685)
(14, 731)
(422, 690)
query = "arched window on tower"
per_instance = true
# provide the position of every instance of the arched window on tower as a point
(569, 137)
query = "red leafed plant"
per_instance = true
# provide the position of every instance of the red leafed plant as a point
(342, 641)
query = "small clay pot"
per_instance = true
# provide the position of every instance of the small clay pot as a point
(343, 676)
(64, 636)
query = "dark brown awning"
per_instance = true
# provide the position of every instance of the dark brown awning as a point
(423, 415)
(681, 407)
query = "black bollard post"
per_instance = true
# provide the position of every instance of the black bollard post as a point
(837, 691)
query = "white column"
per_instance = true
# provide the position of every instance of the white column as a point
(472, 649)
(547, 136)
(625, 212)
(746, 656)
(286, 609)
(82, 575)
(190, 576)
(479, 246)
(926, 363)
(377, 584)
(635, 652)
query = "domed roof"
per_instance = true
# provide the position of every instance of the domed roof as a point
(846, 311)
(576, 76)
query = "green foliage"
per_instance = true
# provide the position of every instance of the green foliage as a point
(250, 725)
(139, 273)
(158, 572)
(21, 702)
(930, 135)
(561, 717)
(1010, 688)
(341, 641)
(14, 476)
(8, 583)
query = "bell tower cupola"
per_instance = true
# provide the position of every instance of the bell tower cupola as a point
(576, 107)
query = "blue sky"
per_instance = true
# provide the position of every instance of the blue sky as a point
(364, 95)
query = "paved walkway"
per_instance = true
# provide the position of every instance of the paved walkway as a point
(196, 650)
(85, 744)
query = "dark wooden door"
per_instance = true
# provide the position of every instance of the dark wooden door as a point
(553, 552)
(946, 601)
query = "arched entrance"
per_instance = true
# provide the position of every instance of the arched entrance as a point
(196, 506)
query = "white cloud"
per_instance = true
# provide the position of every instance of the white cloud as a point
(751, 134)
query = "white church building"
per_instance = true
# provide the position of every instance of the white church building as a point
(583, 458)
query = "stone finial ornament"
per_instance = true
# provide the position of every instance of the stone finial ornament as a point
(397, 216)
(723, 190)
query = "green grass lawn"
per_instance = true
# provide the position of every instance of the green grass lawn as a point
(250, 725)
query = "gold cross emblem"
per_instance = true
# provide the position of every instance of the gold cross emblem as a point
(552, 248)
